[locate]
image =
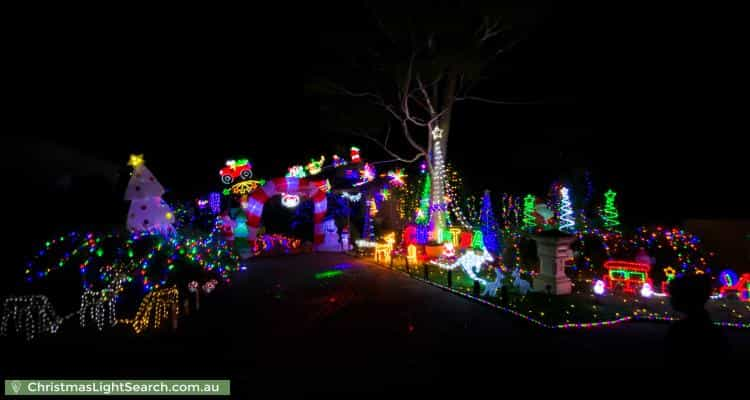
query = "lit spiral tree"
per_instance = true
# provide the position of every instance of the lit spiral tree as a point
(567, 222)
(529, 220)
(610, 216)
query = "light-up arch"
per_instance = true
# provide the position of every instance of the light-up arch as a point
(314, 189)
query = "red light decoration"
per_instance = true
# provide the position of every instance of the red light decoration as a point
(630, 275)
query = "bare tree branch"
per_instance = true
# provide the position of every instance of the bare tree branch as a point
(389, 151)
(483, 100)
(405, 99)
(426, 96)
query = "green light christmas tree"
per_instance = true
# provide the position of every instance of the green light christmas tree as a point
(529, 220)
(610, 216)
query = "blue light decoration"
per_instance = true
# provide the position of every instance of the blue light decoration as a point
(214, 201)
(567, 222)
(728, 278)
(488, 224)
(423, 234)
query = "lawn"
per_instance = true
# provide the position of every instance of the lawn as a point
(580, 307)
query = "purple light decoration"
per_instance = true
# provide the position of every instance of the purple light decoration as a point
(214, 200)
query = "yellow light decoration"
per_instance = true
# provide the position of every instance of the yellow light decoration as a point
(411, 254)
(245, 187)
(135, 160)
(159, 304)
(455, 236)
(383, 251)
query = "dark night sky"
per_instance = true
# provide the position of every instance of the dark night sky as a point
(647, 99)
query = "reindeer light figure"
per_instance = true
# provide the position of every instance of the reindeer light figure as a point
(491, 288)
(383, 251)
(99, 305)
(523, 286)
(31, 315)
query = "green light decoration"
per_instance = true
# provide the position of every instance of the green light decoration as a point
(327, 274)
(610, 214)
(423, 214)
(478, 240)
(447, 236)
(529, 204)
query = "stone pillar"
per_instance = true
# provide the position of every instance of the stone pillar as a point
(553, 248)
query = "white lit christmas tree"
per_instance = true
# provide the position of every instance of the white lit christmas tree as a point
(567, 222)
(148, 212)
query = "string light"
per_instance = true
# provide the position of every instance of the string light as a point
(32, 316)
(383, 251)
(214, 202)
(155, 308)
(437, 205)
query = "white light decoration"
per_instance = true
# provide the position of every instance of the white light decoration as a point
(438, 205)
(99, 305)
(567, 223)
(289, 200)
(352, 197)
(599, 287)
(646, 290)
(470, 262)
(32, 315)
(362, 243)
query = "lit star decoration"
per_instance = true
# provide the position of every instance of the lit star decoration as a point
(397, 177)
(135, 160)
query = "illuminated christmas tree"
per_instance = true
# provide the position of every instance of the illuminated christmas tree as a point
(567, 222)
(423, 213)
(148, 212)
(610, 216)
(488, 224)
(529, 207)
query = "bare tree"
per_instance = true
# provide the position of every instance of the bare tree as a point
(420, 63)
